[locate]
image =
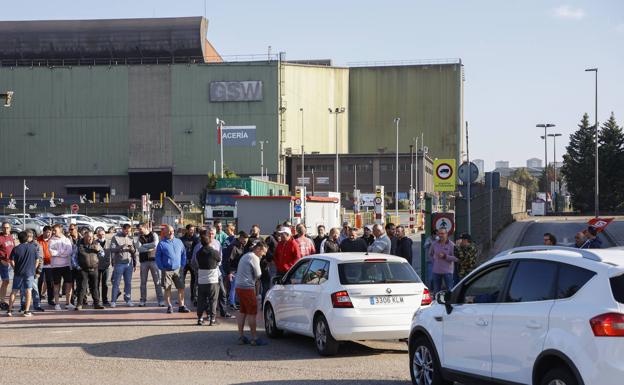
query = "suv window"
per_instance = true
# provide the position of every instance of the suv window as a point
(617, 287)
(317, 273)
(486, 287)
(532, 281)
(296, 276)
(571, 280)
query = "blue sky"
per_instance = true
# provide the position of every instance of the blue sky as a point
(524, 60)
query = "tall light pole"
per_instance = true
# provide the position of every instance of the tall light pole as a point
(416, 164)
(262, 142)
(302, 151)
(336, 111)
(396, 171)
(220, 124)
(597, 187)
(555, 189)
(545, 126)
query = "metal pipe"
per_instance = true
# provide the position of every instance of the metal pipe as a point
(396, 191)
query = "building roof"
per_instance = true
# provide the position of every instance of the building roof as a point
(71, 40)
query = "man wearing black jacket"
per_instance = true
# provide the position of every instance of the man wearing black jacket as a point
(234, 253)
(320, 237)
(206, 263)
(404, 245)
(88, 250)
(353, 244)
(147, 242)
(190, 239)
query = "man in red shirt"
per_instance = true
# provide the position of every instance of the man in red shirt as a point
(306, 245)
(287, 252)
(7, 243)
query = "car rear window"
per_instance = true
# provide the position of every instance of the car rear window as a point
(364, 273)
(571, 280)
(617, 287)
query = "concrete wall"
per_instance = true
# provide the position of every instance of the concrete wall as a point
(507, 201)
(428, 99)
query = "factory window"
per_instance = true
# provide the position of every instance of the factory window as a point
(363, 167)
(404, 167)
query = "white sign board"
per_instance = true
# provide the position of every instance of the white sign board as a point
(367, 200)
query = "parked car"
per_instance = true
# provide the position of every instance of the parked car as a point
(113, 225)
(532, 315)
(44, 215)
(27, 223)
(345, 297)
(84, 222)
(121, 219)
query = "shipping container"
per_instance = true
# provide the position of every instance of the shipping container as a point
(254, 186)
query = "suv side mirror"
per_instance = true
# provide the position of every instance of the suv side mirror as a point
(444, 298)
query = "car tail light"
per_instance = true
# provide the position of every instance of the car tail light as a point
(608, 325)
(341, 299)
(426, 298)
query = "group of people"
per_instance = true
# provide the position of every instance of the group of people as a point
(584, 239)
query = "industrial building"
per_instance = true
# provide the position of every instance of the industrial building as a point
(126, 107)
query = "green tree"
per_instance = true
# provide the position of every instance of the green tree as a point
(212, 183)
(524, 178)
(611, 140)
(578, 166)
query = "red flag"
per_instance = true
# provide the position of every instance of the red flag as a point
(600, 223)
(218, 134)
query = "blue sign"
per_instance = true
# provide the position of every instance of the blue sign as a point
(238, 136)
(297, 209)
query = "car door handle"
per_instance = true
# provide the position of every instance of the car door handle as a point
(533, 325)
(481, 322)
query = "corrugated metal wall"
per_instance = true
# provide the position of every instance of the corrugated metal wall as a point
(427, 99)
(315, 89)
(65, 121)
(193, 118)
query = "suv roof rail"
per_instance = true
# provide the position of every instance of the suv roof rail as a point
(585, 253)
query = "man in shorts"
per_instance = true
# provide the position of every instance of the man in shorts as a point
(24, 259)
(248, 275)
(7, 243)
(170, 259)
(61, 249)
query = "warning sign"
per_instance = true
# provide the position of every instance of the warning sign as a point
(444, 221)
(444, 175)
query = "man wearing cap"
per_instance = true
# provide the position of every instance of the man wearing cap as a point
(287, 252)
(467, 252)
(353, 244)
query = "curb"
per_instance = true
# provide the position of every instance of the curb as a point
(523, 232)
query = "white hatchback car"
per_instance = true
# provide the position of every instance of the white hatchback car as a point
(532, 315)
(345, 297)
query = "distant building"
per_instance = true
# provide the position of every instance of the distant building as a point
(501, 164)
(534, 163)
(481, 166)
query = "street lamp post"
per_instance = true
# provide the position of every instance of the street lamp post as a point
(545, 126)
(262, 142)
(336, 111)
(302, 151)
(597, 186)
(220, 124)
(396, 171)
(557, 187)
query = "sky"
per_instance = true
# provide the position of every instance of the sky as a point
(524, 60)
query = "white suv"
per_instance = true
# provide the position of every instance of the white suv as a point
(532, 315)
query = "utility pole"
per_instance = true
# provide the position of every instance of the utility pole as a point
(468, 198)
(262, 171)
(336, 111)
(302, 152)
(220, 124)
(597, 186)
(555, 189)
(396, 171)
(545, 126)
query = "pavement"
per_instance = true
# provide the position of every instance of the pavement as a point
(146, 346)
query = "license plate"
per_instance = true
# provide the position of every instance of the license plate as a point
(387, 300)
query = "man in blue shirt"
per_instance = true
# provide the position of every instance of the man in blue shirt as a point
(170, 259)
(23, 259)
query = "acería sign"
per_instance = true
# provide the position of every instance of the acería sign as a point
(238, 136)
(238, 91)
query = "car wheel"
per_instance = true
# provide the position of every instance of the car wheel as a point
(326, 345)
(425, 367)
(559, 376)
(270, 326)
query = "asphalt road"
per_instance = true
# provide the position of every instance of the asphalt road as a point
(147, 346)
(564, 230)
